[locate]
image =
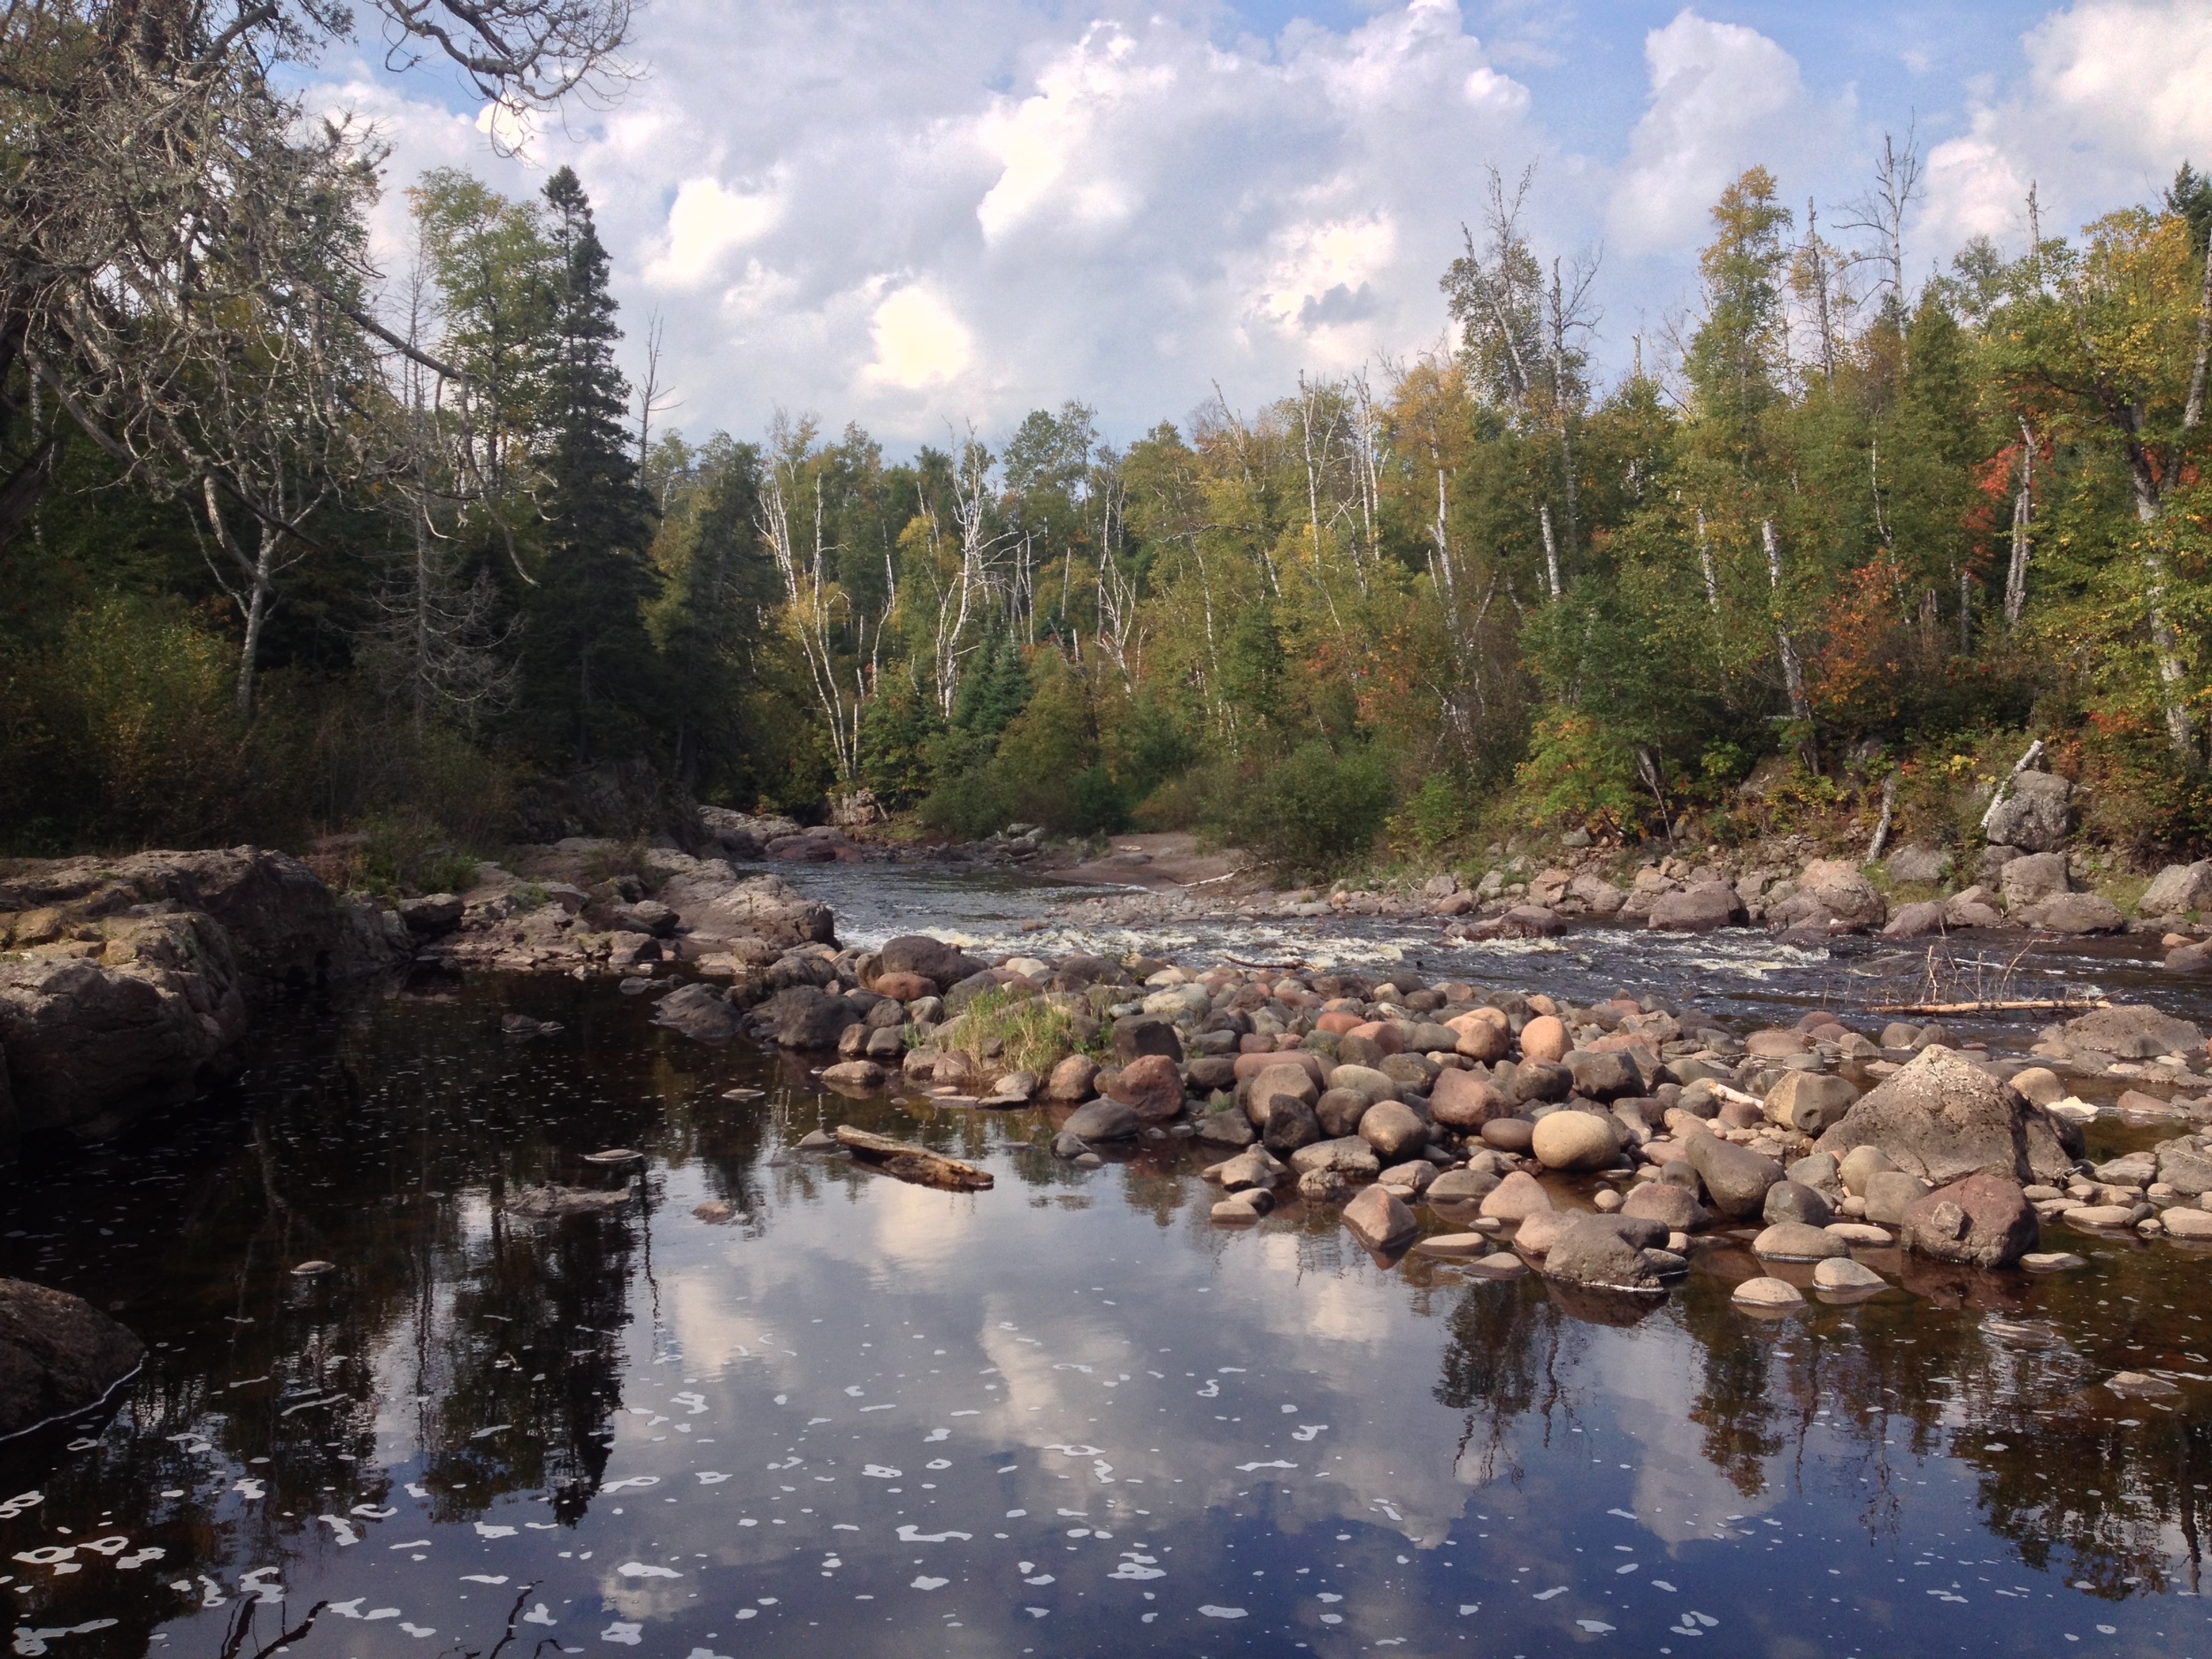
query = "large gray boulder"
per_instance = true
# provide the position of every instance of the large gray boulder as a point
(1698, 909)
(2029, 881)
(2132, 1031)
(702, 1012)
(1736, 1177)
(1984, 1220)
(1831, 892)
(2033, 816)
(1942, 1118)
(1916, 863)
(86, 1038)
(946, 965)
(1598, 1253)
(59, 1354)
(2073, 914)
(2178, 890)
(807, 1017)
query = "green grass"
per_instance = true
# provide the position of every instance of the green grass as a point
(1032, 1035)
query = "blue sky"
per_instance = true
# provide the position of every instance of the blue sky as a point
(920, 216)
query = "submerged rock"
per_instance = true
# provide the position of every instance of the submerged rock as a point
(59, 1354)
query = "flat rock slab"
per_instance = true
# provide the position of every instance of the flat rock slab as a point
(1460, 1244)
(1769, 1293)
(1843, 1273)
(1861, 1232)
(2051, 1262)
(1500, 1264)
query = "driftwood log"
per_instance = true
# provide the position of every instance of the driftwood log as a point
(1994, 1005)
(911, 1163)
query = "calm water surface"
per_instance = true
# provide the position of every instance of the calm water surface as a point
(1065, 1416)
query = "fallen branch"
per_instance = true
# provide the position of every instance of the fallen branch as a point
(912, 1163)
(2034, 753)
(1996, 1005)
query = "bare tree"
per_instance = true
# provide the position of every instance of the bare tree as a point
(1880, 212)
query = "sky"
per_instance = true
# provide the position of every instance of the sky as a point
(925, 217)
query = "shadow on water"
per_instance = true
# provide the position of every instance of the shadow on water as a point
(1066, 1415)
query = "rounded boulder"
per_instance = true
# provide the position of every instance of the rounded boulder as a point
(1574, 1140)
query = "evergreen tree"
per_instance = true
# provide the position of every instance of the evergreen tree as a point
(588, 661)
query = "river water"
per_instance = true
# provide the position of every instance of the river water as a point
(1064, 1416)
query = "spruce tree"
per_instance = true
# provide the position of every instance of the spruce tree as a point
(590, 662)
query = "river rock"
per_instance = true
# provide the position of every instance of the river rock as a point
(1136, 1035)
(1794, 1242)
(1509, 1134)
(1225, 1125)
(917, 954)
(1348, 1157)
(1535, 1082)
(1285, 1082)
(804, 1016)
(85, 1037)
(1788, 1201)
(1861, 1165)
(1516, 1197)
(59, 1354)
(1485, 1041)
(1151, 1086)
(1575, 1140)
(2184, 1223)
(2185, 1167)
(1984, 1220)
(1393, 1129)
(1592, 1251)
(1890, 1194)
(1697, 909)
(1380, 1219)
(1291, 1123)
(1609, 1076)
(697, 1010)
(1940, 1118)
(1541, 1229)
(1674, 1206)
(1456, 1186)
(1365, 1081)
(1545, 1039)
(1915, 920)
(2073, 913)
(1073, 1080)
(903, 988)
(854, 1074)
(2132, 1031)
(2178, 890)
(2032, 815)
(2030, 881)
(1917, 864)
(1832, 890)
(1736, 1177)
(1840, 1273)
(1778, 1295)
(1809, 1102)
(1818, 1171)
(1103, 1120)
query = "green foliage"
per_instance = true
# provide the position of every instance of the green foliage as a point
(407, 853)
(1578, 773)
(1314, 808)
(1031, 1035)
(1432, 819)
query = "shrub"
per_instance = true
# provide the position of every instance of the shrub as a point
(1315, 808)
(1032, 1035)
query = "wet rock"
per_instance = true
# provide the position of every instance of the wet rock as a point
(1698, 909)
(59, 1354)
(1348, 1157)
(1523, 921)
(1790, 1200)
(2187, 1224)
(1234, 1212)
(1794, 1242)
(2132, 1031)
(554, 1204)
(1150, 1086)
(2032, 815)
(944, 965)
(1736, 1177)
(805, 1016)
(1575, 1140)
(1068, 1146)
(1840, 1273)
(1516, 1197)
(1916, 920)
(860, 1074)
(1395, 1130)
(699, 1012)
(1775, 1293)
(1942, 1118)
(1674, 1207)
(1457, 1186)
(1591, 1252)
(817, 1141)
(1136, 1035)
(1247, 1169)
(1380, 1219)
(1983, 1221)
(1103, 1120)
(1890, 1194)
(1833, 891)
(1291, 1123)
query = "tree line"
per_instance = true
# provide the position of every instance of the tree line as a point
(289, 544)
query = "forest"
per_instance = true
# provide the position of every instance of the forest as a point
(292, 544)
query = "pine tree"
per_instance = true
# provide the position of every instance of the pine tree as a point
(588, 658)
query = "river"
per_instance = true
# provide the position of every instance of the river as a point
(1064, 1416)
